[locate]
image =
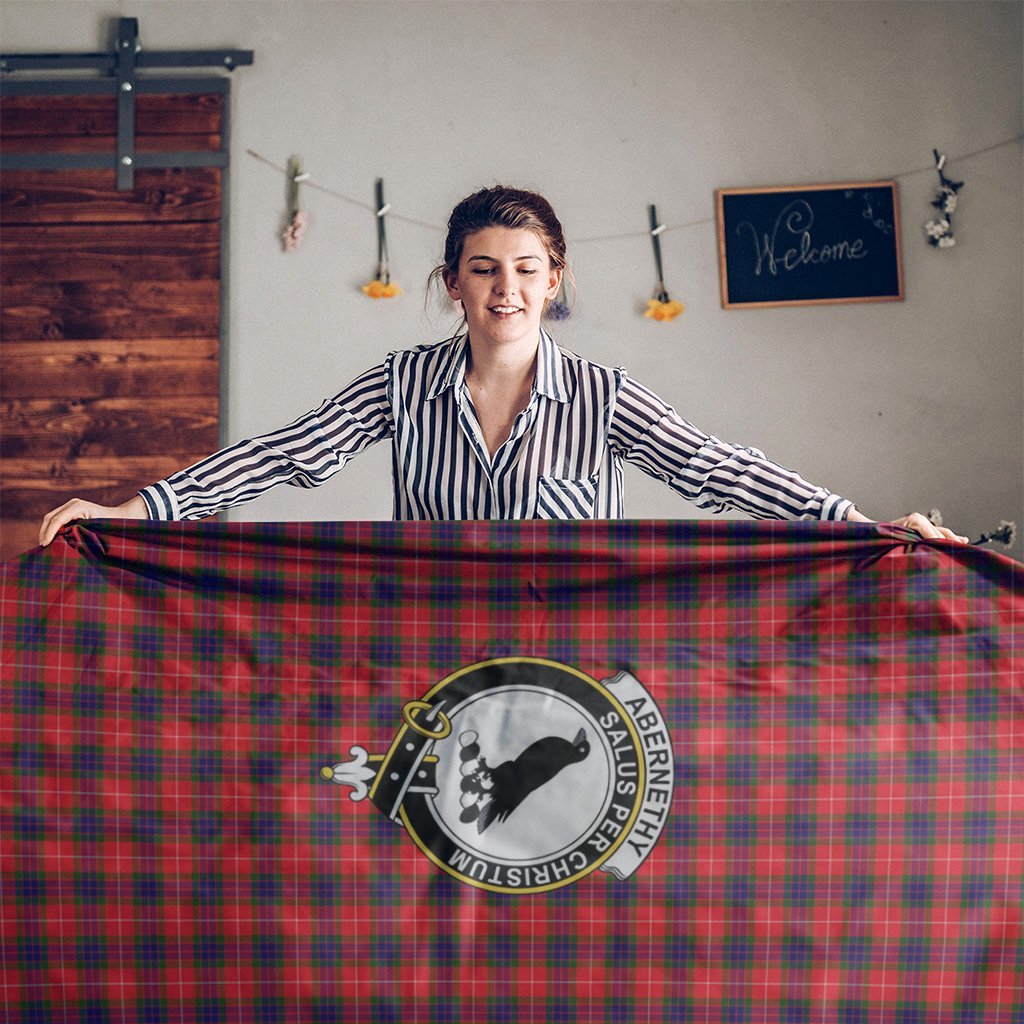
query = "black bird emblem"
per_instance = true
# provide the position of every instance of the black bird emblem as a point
(492, 794)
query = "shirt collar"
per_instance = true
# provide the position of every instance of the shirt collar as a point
(551, 379)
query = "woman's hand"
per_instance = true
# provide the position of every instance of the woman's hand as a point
(76, 508)
(916, 522)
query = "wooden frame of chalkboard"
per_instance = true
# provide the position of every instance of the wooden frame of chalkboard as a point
(807, 245)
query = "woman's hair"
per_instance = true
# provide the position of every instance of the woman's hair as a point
(501, 207)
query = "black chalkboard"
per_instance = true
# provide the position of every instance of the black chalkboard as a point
(810, 244)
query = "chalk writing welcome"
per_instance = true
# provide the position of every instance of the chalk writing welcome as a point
(813, 244)
(795, 222)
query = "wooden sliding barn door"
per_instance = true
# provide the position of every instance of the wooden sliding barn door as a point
(110, 310)
(111, 301)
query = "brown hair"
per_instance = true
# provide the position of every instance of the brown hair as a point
(501, 207)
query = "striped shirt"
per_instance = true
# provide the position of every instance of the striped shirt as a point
(562, 460)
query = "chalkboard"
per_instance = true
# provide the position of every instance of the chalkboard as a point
(810, 244)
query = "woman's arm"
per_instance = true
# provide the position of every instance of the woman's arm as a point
(714, 474)
(711, 473)
(76, 508)
(305, 453)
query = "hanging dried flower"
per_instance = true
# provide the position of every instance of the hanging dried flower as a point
(292, 235)
(558, 308)
(381, 289)
(940, 232)
(661, 307)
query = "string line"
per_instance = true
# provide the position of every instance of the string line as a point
(312, 184)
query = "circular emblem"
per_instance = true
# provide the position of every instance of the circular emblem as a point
(522, 775)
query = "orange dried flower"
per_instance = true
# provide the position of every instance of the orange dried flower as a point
(664, 311)
(381, 290)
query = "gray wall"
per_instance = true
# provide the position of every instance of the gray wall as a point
(606, 107)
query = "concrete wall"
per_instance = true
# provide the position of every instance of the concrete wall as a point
(606, 107)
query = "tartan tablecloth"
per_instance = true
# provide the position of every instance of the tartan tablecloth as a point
(511, 772)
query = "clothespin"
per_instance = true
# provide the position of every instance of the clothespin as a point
(940, 163)
(295, 178)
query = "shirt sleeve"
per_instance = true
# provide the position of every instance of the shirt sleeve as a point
(304, 454)
(713, 474)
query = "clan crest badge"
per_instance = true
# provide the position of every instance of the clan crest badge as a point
(523, 775)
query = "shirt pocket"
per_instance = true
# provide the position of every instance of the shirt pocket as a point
(565, 498)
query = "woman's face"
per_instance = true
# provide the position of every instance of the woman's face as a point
(505, 278)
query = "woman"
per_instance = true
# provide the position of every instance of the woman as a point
(497, 422)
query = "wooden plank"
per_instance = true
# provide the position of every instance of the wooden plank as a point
(110, 369)
(43, 428)
(58, 115)
(84, 116)
(93, 310)
(79, 197)
(18, 536)
(110, 252)
(108, 144)
(29, 488)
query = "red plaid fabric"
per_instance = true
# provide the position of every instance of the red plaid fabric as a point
(607, 771)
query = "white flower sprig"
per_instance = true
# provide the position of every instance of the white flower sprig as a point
(1003, 534)
(940, 231)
